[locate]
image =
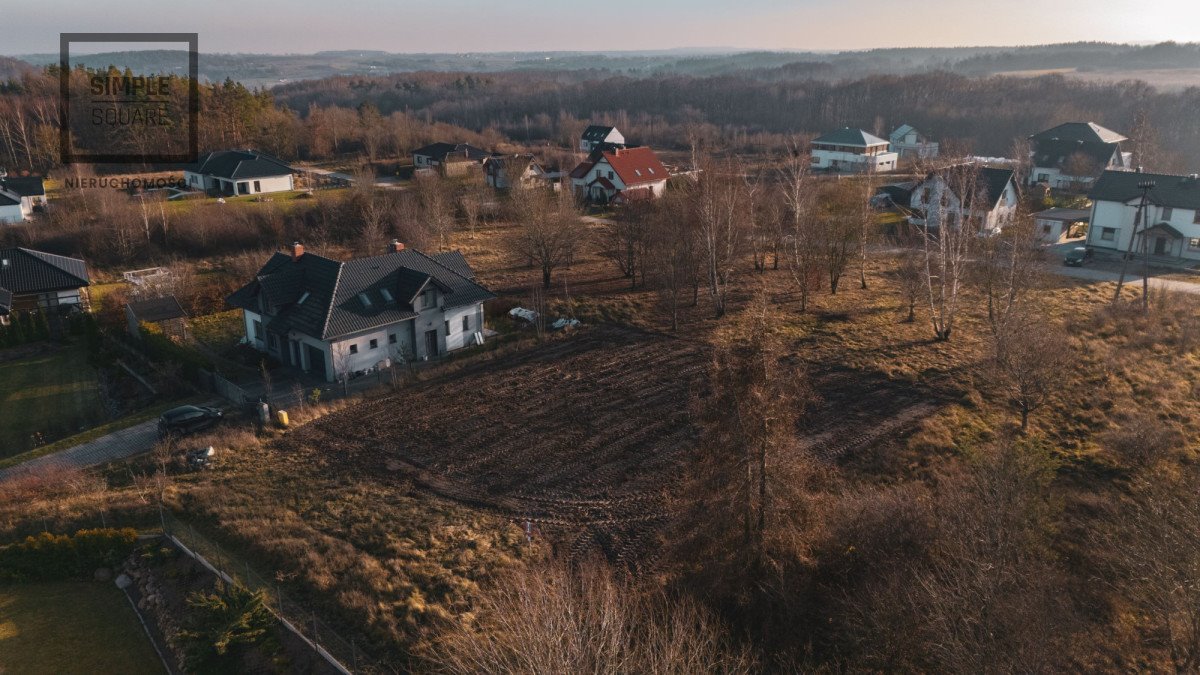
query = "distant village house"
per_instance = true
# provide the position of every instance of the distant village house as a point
(984, 196)
(852, 151)
(20, 197)
(1074, 154)
(600, 136)
(620, 174)
(909, 143)
(449, 159)
(230, 173)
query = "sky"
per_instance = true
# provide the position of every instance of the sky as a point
(455, 26)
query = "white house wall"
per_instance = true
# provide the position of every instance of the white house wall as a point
(11, 214)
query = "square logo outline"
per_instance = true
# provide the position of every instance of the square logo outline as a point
(64, 80)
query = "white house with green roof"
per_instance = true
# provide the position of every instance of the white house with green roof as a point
(853, 151)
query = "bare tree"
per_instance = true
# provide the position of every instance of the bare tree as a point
(947, 238)
(748, 423)
(437, 206)
(837, 230)
(551, 618)
(624, 241)
(799, 243)
(671, 254)
(722, 206)
(548, 231)
(1029, 353)
(910, 279)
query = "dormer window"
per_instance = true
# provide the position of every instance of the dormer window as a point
(366, 302)
(387, 295)
(303, 297)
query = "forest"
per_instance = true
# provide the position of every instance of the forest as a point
(757, 111)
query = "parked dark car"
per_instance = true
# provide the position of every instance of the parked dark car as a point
(187, 419)
(1077, 256)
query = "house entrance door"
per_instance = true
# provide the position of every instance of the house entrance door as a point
(1160, 246)
(431, 343)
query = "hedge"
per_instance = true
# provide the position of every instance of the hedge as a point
(47, 556)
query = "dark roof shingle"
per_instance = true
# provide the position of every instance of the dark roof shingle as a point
(24, 271)
(234, 164)
(1181, 192)
(324, 298)
(153, 310)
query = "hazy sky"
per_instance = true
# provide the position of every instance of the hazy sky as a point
(302, 26)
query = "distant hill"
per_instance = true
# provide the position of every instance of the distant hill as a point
(269, 70)
(13, 69)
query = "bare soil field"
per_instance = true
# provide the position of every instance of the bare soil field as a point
(585, 439)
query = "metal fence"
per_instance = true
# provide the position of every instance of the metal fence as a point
(344, 655)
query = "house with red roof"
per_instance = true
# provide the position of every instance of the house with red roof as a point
(620, 174)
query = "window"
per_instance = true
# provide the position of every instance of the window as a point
(610, 175)
(303, 297)
(467, 323)
(1196, 220)
(447, 327)
(366, 302)
(1108, 234)
(1167, 212)
(1194, 243)
(428, 298)
(274, 340)
(374, 344)
(1043, 178)
(257, 186)
(353, 349)
(1046, 228)
(387, 295)
(391, 338)
(258, 330)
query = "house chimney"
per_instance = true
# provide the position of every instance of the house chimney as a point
(395, 246)
(297, 251)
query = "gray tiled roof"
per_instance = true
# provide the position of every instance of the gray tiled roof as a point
(233, 164)
(438, 151)
(853, 137)
(1182, 192)
(5, 200)
(456, 262)
(30, 271)
(334, 304)
(1079, 132)
(5, 301)
(24, 186)
(157, 309)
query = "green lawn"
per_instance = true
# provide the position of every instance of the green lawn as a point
(72, 627)
(54, 393)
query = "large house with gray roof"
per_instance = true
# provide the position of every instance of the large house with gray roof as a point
(332, 318)
(229, 173)
(1074, 154)
(1170, 225)
(853, 151)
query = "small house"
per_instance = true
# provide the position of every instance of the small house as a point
(852, 151)
(600, 136)
(231, 173)
(620, 174)
(1074, 154)
(163, 312)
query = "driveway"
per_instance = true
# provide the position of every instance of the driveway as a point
(1107, 270)
(120, 444)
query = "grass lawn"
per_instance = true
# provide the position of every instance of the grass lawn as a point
(72, 627)
(54, 393)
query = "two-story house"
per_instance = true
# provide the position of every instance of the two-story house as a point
(1074, 154)
(600, 136)
(909, 143)
(332, 317)
(984, 196)
(620, 174)
(853, 151)
(1171, 222)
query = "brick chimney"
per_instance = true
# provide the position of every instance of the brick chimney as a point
(395, 246)
(297, 251)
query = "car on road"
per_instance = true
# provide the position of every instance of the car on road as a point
(1077, 256)
(187, 419)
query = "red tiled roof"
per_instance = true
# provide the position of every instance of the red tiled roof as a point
(636, 165)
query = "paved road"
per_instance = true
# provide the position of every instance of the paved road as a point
(1133, 279)
(117, 445)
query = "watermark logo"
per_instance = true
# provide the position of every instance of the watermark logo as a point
(146, 115)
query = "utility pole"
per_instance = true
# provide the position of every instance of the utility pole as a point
(1145, 187)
